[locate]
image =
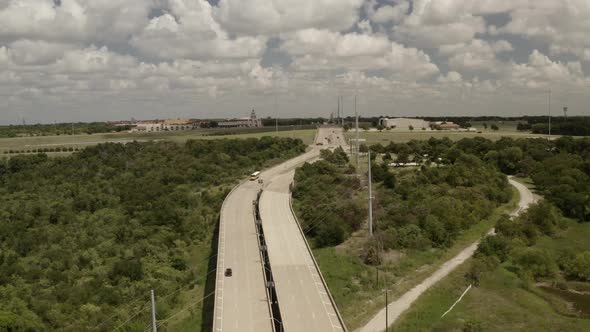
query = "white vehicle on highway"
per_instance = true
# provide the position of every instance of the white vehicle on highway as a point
(255, 176)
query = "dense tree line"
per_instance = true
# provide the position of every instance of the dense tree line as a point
(431, 206)
(559, 168)
(455, 185)
(326, 195)
(574, 127)
(413, 209)
(61, 129)
(84, 236)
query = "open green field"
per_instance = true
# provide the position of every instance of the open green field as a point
(502, 302)
(81, 141)
(386, 136)
(357, 287)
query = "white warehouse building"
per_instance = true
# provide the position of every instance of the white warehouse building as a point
(404, 124)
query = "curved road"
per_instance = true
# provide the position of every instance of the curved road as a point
(240, 300)
(396, 308)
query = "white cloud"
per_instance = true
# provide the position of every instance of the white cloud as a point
(478, 55)
(388, 13)
(435, 23)
(563, 25)
(39, 52)
(314, 41)
(73, 20)
(94, 59)
(451, 77)
(281, 16)
(189, 31)
(132, 56)
(542, 72)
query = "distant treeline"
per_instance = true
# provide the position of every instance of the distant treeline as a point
(268, 122)
(60, 129)
(578, 126)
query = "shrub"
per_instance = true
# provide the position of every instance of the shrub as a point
(579, 267)
(481, 266)
(494, 245)
(537, 262)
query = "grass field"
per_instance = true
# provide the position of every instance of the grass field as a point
(355, 287)
(501, 303)
(81, 141)
(386, 136)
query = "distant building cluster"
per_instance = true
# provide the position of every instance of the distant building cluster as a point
(418, 124)
(165, 125)
(251, 122)
(186, 124)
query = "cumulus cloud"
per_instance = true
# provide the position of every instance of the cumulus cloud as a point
(435, 23)
(138, 55)
(316, 50)
(280, 16)
(189, 31)
(478, 55)
(563, 25)
(73, 20)
(314, 41)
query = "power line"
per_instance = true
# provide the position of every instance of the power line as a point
(138, 298)
(161, 322)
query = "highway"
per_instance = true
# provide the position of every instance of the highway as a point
(403, 303)
(241, 300)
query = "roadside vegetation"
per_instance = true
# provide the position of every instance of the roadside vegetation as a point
(421, 216)
(85, 237)
(534, 273)
(424, 214)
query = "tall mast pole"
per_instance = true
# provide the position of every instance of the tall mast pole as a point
(338, 115)
(342, 112)
(549, 107)
(370, 199)
(276, 114)
(356, 117)
(154, 325)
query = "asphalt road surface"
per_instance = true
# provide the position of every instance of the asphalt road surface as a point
(241, 300)
(303, 298)
(397, 307)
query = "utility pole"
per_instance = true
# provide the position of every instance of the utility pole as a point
(386, 310)
(356, 117)
(549, 107)
(342, 110)
(338, 112)
(276, 114)
(155, 327)
(370, 199)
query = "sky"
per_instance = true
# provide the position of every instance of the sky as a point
(97, 60)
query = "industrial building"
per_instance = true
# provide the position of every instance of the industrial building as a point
(404, 124)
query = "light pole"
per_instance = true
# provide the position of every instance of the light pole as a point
(357, 133)
(549, 109)
(370, 199)
(154, 325)
(276, 114)
(386, 310)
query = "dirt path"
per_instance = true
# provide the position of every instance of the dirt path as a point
(396, 308)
